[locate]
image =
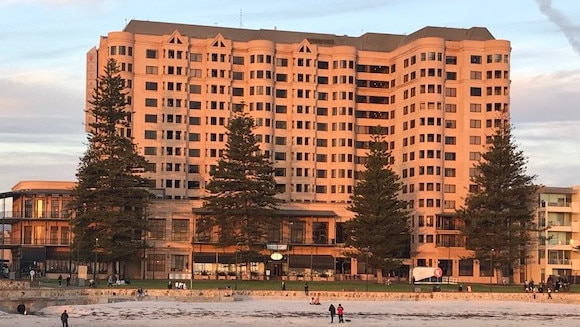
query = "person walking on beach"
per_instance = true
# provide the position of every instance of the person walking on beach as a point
(339, 311)
(332, 311)
(64, 319)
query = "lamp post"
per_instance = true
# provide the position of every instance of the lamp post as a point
(450, 262)
(491, 268)
(366, 269)
(95, 268)
(237, 250)
(154, 260)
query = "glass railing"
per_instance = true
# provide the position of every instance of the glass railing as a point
(65, 215)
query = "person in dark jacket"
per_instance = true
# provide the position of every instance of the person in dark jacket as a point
(64, 319)
(332, 311)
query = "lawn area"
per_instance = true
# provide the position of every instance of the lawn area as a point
(360, 286)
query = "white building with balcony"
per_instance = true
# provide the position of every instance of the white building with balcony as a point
(557, 250)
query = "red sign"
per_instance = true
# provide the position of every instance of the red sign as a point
(438, 272)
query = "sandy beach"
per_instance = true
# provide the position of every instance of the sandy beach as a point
(259, 313)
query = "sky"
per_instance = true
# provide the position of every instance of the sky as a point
(43, 44)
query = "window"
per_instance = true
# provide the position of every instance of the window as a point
(151, 54)
(475, 140)
(151, 86)
(150, 135)
(150, 118)
(450, 140)
(451, 60)
(149, 102)
(151, 70)
(320, 233)
(195, 89)
(195, 57)
(475, 123)
(237, 60)
(474, 156)
(179, 230)
(475, 91)
(150, 151)
(157, 229)
(475, 107)
(475, 59)
(475, 75)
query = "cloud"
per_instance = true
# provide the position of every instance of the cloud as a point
(544, 97)
(571, 32)
(552, 150)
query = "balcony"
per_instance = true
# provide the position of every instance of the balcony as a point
(10, 217)
(16, 241)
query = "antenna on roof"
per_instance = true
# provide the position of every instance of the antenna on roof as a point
(241, 18)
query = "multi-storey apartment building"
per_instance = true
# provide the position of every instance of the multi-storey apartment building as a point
(35, 229)
(439, 94)
(557, 250)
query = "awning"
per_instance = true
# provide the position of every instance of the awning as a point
(285, 213)
(314, 261)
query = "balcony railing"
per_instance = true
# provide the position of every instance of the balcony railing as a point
(559, 261)
(48, 214)
(28, 241)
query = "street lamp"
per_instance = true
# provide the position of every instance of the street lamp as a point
(366, 269)
(154, 260)
(95, 269)
(236, 282)
(491, 268)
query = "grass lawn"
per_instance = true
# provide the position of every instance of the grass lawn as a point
(359, 286)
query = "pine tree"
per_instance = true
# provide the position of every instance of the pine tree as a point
(242, 201)
(380, 226)
(110, 199)
(499, 211)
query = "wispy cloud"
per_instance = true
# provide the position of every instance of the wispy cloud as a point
(571, 32)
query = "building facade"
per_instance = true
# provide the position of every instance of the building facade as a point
(439, 94)
(557, 251)
(35, 229)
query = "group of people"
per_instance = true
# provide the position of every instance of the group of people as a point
(178, 285)
(60, 280)
(339, 311)
(315, 301)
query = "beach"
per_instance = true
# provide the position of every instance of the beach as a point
(257, 313)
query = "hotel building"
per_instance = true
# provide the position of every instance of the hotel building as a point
(440, 93)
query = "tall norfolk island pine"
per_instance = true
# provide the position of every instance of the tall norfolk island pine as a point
(380, 227)
(242, 203)
(109, 201)
(499, 212)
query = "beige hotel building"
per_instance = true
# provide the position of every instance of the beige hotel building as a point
(439, 92)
